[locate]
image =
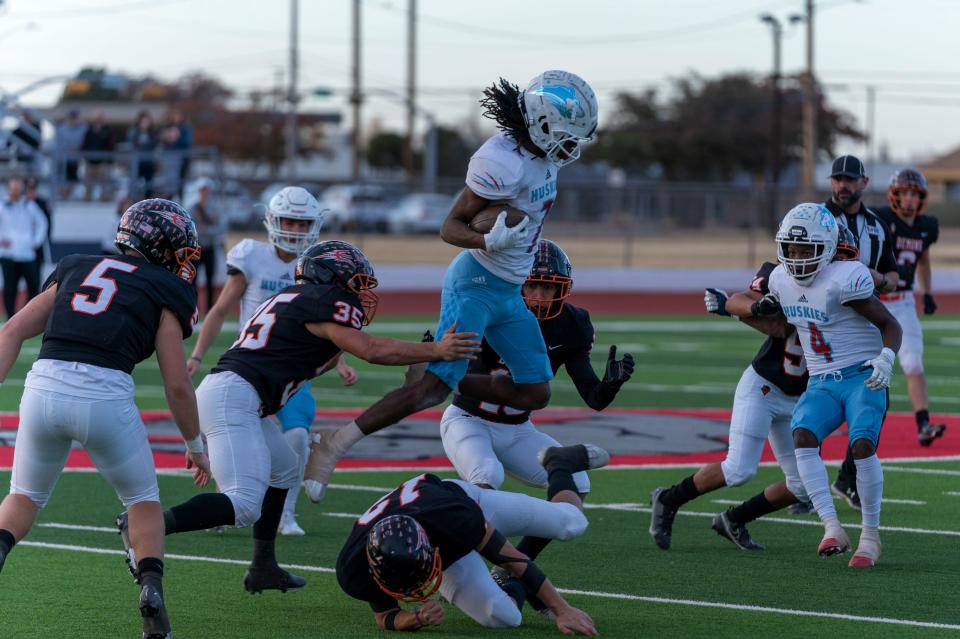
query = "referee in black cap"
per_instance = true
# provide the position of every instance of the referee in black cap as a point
(847, 183)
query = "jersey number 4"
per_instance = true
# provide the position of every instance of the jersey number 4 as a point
(408, 494)
(106, 287)
(256, 332)
(819, 343)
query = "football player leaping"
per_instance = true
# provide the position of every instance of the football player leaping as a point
(483, 440)
(255, 271)
(850, 341)
(542, 129)
(430, 535)
(762, 408)
(287, 341)
(913, 233)
(80, 388)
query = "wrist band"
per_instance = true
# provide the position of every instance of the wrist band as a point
(199, 360)
(416, 613)
(389, 622)
(194, 445)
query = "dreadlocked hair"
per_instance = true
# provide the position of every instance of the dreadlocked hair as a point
(501, 103)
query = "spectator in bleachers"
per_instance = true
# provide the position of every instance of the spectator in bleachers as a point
(23, 229)
(210, 233)
(28, 138)
(68, 140)
(143, 142)
(177, 140)
(97, 140)
(32, 186)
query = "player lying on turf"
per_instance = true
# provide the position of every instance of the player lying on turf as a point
(100, 316)
(850, 341)
(290, 338)
(542, 129)
(430, 535)
(484, 441)
(762, 408)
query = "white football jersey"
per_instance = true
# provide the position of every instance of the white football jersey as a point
(833, 336)
(266, 273)
(501, 172)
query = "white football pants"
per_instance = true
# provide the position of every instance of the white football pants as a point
(911, 348)
(761, 411)
(481, 451)
(247, 454)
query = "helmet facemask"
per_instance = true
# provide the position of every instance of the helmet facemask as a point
(807, 241)
(291, 241)
(402, 561)
(907, 181)
(544, 309)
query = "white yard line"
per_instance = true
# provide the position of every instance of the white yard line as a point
(568, 591)
(908, 502)
(921, 471)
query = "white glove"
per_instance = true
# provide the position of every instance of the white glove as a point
(882, 369)
(501, 237)
(715, 300)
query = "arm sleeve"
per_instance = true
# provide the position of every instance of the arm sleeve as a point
(494, 179)
(596, 394)
(858, 285)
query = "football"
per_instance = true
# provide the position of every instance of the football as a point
(485, 219)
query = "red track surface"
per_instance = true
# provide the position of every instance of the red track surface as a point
(899, 440)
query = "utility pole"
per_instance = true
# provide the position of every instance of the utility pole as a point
(411, 86)
(356, 97)
(776, 29)
(871, 127)
(809, 111)
(292, 97)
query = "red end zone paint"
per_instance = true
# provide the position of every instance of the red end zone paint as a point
(898, 440)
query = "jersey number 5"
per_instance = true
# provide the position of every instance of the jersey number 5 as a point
(347, 314)
(408, 494)
(256, 331)
(106, 286)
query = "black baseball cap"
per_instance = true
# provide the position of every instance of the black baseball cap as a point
(848, 166)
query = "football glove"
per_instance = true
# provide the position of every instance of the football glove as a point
(929, 305)
(882, 369)
(502, 237)
(716, 301)
(769, 305)
(618, 370)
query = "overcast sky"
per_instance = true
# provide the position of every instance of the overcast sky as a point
(907, 50)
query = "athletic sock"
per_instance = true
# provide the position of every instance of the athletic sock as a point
(150, 570)
(814, 476)
(870, 489)
(206, 510)
(922, 417)
(559, 479)
(754, 508)
(265, 530)
(532, 546)
(299, 440)
(848, 470)
(679, 494)
(7, 542)
(342, 439)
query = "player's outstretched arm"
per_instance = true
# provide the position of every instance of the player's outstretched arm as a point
(429, 614)
(599, 393)
(213, 322)
(29, 322)
(497, 550)
(180, 396)
(395, 352)
(455, 229)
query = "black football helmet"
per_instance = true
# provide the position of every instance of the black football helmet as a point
(550, 266)
(847, 249)
(907, 180)
(402, 561)
(343, 264)
(163, 232)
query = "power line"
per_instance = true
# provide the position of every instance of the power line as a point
(96, 11)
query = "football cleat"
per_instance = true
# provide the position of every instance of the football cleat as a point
(661, 519)
(835, 542)
(578, 458)
(319, 468)
(3, 558)
(930, 432)
(737, 533)
(128, 556)
(256, 580)
(518, 592)
(289, 526)
(156, 624)
(801, 508)
(868, 550)
(843, 488)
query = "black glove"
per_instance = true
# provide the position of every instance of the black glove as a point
(618, 370)
(929, 306)
(716, 301)
(769, 305)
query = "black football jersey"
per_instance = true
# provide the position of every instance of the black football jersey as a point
(453, 522)
(276, 352)
(107, 310)
(779, 361)
(909, 242)
(568, 336)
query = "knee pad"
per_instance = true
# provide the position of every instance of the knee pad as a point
(574, 523)
(911, 364)
(502, 613)
(736, 476)
(489, 472)
(299, 440)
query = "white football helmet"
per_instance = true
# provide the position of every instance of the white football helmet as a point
(807, 225)
(561, 113)
(293, 203)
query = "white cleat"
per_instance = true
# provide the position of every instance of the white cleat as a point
(319, 468)
(289, 526)
(868, 550)
(835, 542)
